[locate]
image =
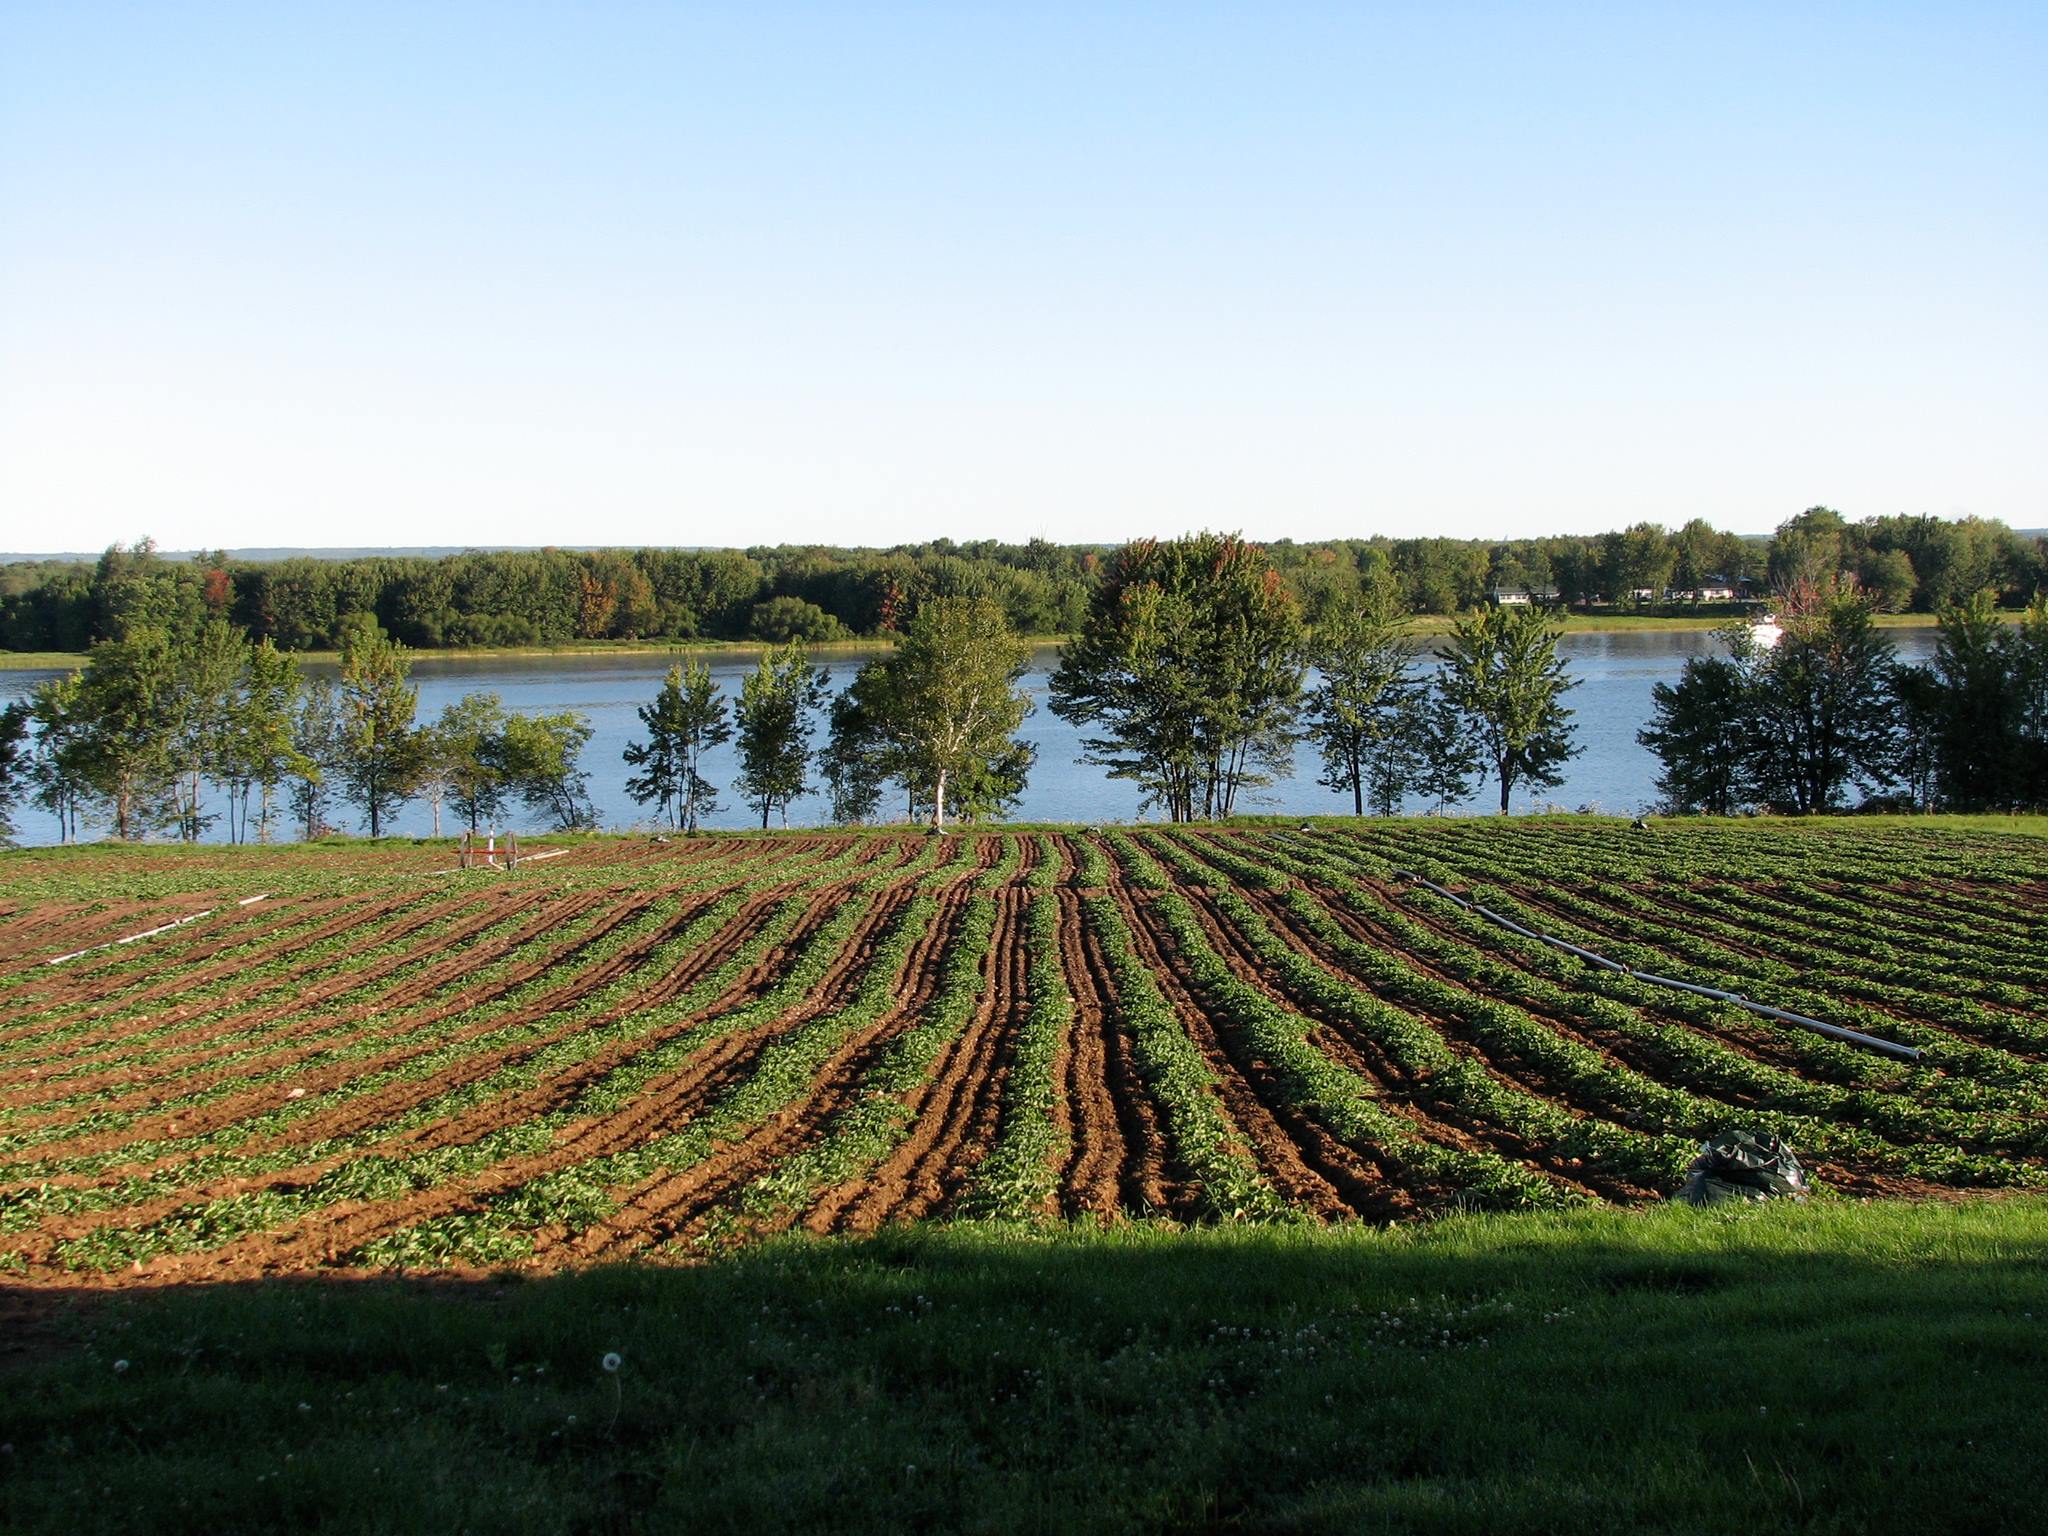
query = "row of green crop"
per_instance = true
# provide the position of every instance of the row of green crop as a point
(185, 1045)
(1984, 1069)
(1019, 1177)
(1344, 1102)
(1180, 1080)
(583, 1193)
(1871, 1125)
(540, 1008)
(858, 1138)
(375, 1177)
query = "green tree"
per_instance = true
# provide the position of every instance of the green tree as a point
(686, 719)
(59, 770)
(259, 754)
(1809, 549)
(319, 746)
(129, 707)
(1503, 673)
(1822, 704)
(777, 701)
(1190, 663)
(1446, 758)
(856, 759)
(380, 758)
(466, 752)
(949, 702)
(209, 668)
(2030, 661)
(1701, 733)
(1360, 711)
(14, 764)
(542, 756)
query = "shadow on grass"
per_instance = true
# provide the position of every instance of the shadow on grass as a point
(1853, 1368)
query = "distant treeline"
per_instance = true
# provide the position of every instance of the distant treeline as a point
(551, 597)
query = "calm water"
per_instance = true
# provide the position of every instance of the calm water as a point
(1612, 773)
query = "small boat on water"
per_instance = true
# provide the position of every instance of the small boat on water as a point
(1764, 631)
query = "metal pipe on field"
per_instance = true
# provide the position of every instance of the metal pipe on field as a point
(1798, 1020)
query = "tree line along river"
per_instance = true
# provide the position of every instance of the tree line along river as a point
(1614, 671)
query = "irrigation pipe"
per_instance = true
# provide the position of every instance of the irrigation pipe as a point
(150, 933)
(1797, 1020)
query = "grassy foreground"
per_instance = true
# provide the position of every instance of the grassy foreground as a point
(1840, 1367)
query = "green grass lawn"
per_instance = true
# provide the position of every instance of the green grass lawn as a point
(1838, 1367)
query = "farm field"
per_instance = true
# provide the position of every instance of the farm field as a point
(671, 1049)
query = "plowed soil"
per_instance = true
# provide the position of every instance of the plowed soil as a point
(223, 1098)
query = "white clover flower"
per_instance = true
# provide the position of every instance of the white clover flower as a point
(120, 1367)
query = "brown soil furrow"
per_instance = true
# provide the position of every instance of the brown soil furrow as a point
(1147, 1180)
(207, 1118)
(458, 1130)
(180, 963)
(669, 1205)
(1091, 1181)
(191, 1050)
(31, 936)
(1311, 1169)
(101, 976)
(958, 1101)
(179, 985)
(660, 1106)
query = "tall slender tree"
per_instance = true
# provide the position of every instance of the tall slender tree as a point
(468, 754)
(1503, 672)
(319, 743)
(1702, 733)
(259, 754)
(542, 766)
(14, 763)
(128, 709)
(948, 703)
(1359, 712)
(686, 720)
(60, 767)
(1446, 757)
(380, 751)
(777, 702)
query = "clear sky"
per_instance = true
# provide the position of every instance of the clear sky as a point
(513, 274)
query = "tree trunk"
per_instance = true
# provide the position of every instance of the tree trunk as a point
(1507, 787)
(939, 801)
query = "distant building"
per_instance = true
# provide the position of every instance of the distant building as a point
(1712, 589)
(1522, 597)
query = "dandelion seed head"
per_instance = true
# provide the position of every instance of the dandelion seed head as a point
(612, 1361)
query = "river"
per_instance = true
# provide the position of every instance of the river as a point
(1612, 773)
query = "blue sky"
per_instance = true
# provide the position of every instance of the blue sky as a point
(668, 274)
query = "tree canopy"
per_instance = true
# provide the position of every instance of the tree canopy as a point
(1504, 676)
(1190, 665)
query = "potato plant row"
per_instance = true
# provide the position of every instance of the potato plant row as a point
(666, 1047)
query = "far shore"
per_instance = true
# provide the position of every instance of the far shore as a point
(1432, 624)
